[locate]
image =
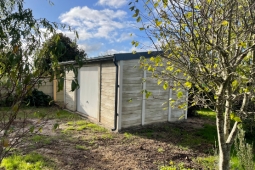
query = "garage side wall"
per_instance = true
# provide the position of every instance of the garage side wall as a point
(107, 102)
(156, 106)
(70, 97)
(131, 110)
(135, 108)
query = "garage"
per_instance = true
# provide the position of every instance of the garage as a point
(111, 89)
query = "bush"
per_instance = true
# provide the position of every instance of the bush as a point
(38, 98)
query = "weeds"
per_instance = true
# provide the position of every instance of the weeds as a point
(32, 161)
(244, 151)
(81, 147)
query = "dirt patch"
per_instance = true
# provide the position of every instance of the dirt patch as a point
(146, 147)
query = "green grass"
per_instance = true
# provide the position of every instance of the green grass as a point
(41, 112)
(81, 147)
(174, 166)
(208, 132)
(128, 135)
(206, 113)
(32, 161)
(107, 136)
(211, 162)
(81, 125)
(41, 139)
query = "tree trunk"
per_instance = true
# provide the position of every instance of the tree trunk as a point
(224, 157)
(224, 148)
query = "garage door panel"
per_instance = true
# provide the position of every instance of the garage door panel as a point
(88, 93)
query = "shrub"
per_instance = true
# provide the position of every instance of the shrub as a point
(38, 98)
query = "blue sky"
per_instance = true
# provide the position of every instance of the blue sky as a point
(104, 26)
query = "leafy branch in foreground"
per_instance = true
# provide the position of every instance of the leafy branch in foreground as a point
(21, 37)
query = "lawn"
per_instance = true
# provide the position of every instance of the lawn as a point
(78, 143)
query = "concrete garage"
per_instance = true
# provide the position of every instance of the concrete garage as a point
(111, 93)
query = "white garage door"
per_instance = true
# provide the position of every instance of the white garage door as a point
(88, 93)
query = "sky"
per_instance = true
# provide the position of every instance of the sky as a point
(104, 26)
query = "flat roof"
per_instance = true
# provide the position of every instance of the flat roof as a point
(116, 57)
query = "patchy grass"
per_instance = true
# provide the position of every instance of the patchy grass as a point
(31, 161)
(81, 125)
(41, 139)
(81, 147)
(41, 112)
(167, 146)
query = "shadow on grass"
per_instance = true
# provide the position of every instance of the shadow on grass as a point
(197, 133)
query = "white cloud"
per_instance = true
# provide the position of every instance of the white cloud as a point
(125, 36)
(90, 48)
(112, 3)
(91, 23)
(114, 51)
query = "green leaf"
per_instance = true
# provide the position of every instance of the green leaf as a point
(150, 68)
(188, 84)
(132, 8)
(74, 85)
(224, 23)
(141, 28)
(159, 81)
(138, 20)
(242, 44)
(179, 94)
(165, 3)
(158, 23)
(136, 13)
(232, 115)
(237, 119)
(188, 14)
(148, 94)
(165, 86)
(61, 84)
(156, 5)
(234, 84)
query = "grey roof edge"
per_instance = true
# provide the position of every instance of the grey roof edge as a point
(137, 55)
(88, 60)
(116, 57)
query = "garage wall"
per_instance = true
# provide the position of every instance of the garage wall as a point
(156, 106)
(70, 97)
(176, 113)
(107, 102)
(57, 96)
(46, 87)
(131, 109)
(135, 108)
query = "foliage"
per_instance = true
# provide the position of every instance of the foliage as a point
(244, 151)
(38, 98)
(69, 49)
(22, 65)
(206, 44)
(32, 161)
